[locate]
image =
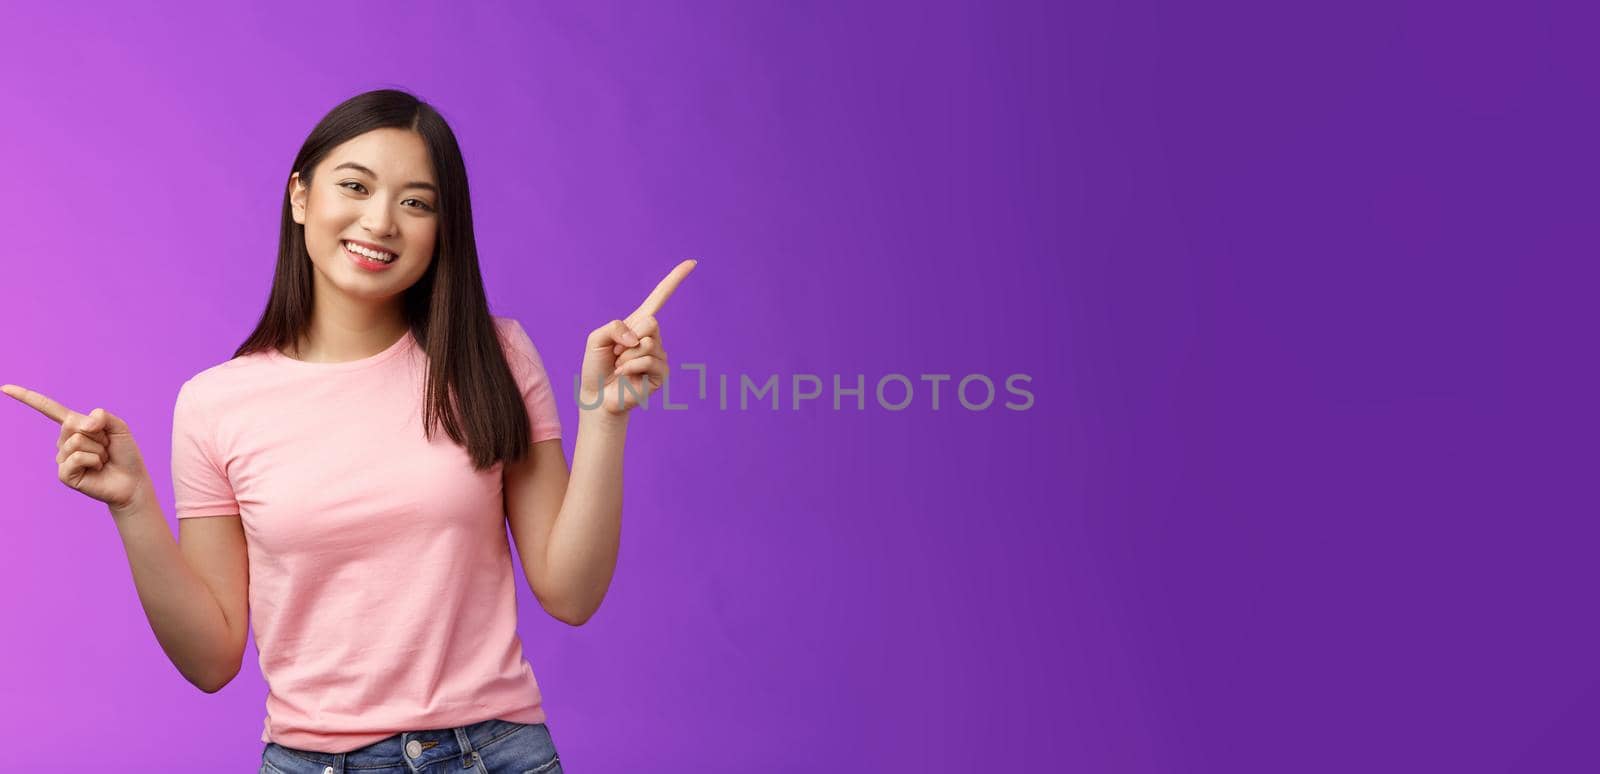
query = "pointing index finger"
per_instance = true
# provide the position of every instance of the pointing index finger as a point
(45, 406)
(652, 304)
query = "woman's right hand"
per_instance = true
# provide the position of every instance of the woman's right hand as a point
(95, 453)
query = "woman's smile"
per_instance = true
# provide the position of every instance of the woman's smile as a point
(363, 260)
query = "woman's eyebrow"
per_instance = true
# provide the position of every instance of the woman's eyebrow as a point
(374, 176)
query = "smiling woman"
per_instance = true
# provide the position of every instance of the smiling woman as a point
(377, 240)
(351, 217)
(376, 285)
(377, 343)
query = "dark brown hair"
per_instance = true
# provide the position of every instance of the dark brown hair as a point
(446, 308)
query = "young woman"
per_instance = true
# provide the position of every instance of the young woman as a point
(345, 481)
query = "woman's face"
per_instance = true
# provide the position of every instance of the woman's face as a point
(376, 189)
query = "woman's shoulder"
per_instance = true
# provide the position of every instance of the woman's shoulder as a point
(507, 325)
(224, 379)
(512, 334)
(524, 358)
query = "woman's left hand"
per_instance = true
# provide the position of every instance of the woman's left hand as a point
(623, 362)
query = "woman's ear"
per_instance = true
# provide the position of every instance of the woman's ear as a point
(297, 199)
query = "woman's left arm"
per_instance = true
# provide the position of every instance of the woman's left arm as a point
(568, 529)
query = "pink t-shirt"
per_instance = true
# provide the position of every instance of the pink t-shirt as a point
(381, 587)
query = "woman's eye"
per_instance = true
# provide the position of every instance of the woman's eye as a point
(363, 189)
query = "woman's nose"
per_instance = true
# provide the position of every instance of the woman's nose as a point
(377, 219)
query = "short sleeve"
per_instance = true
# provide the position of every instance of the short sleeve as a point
(199, 485)
(532, 382)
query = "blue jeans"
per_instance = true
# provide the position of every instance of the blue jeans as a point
(490, 747)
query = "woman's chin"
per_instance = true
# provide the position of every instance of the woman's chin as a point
(353, 283)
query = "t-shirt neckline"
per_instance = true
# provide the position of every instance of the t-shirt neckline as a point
(399, 345)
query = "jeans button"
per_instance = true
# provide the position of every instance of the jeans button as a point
(327, 770)
(414, 748)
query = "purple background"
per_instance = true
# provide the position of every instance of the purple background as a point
(1313, 377)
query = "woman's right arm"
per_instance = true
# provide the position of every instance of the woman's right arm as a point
(196, 596)
(195, 592)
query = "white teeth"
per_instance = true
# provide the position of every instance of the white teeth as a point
(376, 256)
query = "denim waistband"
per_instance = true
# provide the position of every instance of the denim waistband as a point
(421, 748)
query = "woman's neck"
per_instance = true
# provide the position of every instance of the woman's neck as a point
(343, 332)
